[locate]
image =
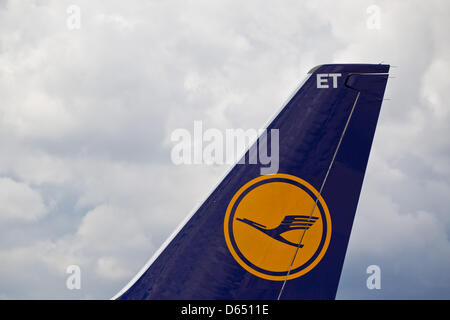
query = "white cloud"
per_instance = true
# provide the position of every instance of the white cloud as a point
(19, 202)
(105, 228)
(112, 269)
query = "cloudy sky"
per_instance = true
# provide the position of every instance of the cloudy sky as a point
(86, 116)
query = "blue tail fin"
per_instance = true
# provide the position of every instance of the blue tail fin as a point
(281, 235)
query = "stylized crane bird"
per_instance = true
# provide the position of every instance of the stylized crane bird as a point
(289, 223)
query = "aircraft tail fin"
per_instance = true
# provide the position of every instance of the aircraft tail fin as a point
(284, 234)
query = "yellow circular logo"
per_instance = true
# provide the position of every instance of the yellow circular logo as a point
(272, 216)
